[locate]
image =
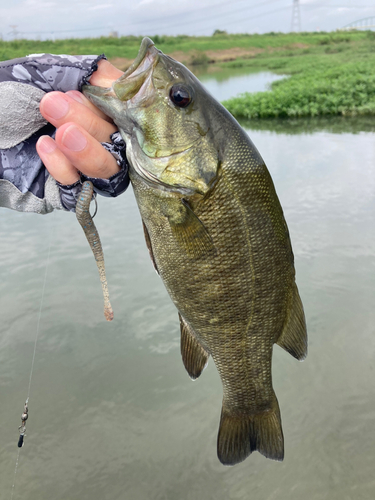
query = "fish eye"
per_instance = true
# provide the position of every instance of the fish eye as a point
(180, 95)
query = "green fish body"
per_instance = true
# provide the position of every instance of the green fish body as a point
(217, 237)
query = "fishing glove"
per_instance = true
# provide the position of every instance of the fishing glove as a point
(25, 184)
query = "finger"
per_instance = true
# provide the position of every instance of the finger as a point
(79, 97)
(85, 152)
(56, 162)
(105, 75)
(58, 108)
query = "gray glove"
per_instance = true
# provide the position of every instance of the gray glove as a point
(25, 184)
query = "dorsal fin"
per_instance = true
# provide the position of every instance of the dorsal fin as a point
(293, 338)
(194, 356)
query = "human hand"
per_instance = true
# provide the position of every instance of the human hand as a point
(81, 127)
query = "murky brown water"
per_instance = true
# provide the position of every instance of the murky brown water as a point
(113, 414)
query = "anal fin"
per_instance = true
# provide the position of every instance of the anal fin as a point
(293, 338)
(194, 356)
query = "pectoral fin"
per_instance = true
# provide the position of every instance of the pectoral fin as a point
(194, 357)
(190, 232)
(294, 336)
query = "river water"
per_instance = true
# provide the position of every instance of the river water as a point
(113, 414)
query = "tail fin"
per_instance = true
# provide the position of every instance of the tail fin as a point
(240, 434)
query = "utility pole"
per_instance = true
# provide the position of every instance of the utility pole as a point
(296, 17)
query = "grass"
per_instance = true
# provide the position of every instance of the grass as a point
(328, 73)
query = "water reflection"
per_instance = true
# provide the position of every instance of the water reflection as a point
(112, 412)
(333, 124)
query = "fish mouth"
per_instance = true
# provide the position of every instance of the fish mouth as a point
(154, 181)
(146, 45)
(137, 78)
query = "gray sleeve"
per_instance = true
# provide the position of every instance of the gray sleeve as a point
(25, 184)
(49, 72)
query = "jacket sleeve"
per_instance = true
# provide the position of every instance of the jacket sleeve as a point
(25, 184)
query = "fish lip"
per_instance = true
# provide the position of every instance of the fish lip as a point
(130, 83)
(154, 181)
(146, 45)
(176, 153)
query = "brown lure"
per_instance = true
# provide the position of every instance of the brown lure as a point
(92, 235)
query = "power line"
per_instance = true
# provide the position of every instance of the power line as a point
(167, 22)
(225, 15)
(255, 17)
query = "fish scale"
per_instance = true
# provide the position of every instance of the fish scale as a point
(217, 237)
(248, 388)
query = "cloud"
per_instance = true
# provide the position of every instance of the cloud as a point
(78, 18)
(101, 6)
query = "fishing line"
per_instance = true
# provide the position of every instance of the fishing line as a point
(24, 417)
(40, 312)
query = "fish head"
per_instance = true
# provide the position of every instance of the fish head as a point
(165, 118)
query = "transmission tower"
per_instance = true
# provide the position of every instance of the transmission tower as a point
(296, 16)
(14, 30)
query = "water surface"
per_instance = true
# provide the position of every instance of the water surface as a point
(231, 82)
(113, 414)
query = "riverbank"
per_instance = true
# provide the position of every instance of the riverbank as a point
(329, 73)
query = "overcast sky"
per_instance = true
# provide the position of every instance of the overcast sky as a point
(79, 18)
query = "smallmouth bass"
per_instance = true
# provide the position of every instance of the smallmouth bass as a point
(217, 237)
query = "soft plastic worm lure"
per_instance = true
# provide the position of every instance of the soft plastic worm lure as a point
(88, 226)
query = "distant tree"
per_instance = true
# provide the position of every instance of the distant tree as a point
(219, 32)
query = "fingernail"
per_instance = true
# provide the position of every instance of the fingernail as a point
(73, 139)
(55, 106)
(46, 144)
(77, 96)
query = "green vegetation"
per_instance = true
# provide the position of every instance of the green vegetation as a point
(334, 77)
(344, 89)
(128, 46)
(328, 73)
(199, 57)
(113, 47)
